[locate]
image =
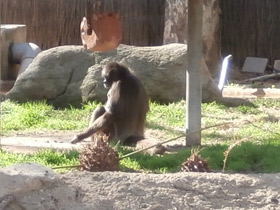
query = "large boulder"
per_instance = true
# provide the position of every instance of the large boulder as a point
(33, 186)
(72, 75)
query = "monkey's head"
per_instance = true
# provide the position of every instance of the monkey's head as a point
(113, 72)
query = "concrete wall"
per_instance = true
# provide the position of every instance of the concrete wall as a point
(9, 34)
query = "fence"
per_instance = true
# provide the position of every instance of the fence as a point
(250, 28)
(57, 22)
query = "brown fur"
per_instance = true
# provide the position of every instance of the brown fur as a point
(124, 114)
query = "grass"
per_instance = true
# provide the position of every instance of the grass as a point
(246, 157)
(49, 158)
(40, 115)
(259, 125)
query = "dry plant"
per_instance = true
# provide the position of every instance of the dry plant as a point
(227, 152)
(99, 156)
(195, 163)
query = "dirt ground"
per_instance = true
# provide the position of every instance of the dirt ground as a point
(119, 190)
(123, 191)
(33, 186)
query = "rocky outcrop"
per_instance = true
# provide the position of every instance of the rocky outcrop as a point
(71, 75)
(33, 186)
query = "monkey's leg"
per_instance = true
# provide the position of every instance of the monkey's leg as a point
(99, 124)
(99, 111)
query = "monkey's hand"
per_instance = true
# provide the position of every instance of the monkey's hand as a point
(75, 140)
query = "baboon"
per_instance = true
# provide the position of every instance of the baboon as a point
(124, 114)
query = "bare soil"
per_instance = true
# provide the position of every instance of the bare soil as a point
(120, 190)
(123, 190)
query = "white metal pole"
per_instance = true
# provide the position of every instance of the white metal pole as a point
(193, 84)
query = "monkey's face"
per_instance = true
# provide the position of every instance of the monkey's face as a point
(107, 82)
(111, 73)
(109, 76)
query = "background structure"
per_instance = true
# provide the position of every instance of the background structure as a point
(250, 28)
(245, 28)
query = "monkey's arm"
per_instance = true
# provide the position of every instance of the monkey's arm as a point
(99, 124)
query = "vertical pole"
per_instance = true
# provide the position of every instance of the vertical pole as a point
(193, 84)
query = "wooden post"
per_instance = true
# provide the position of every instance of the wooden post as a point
(193, 84)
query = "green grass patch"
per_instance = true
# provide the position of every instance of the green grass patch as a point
(48, 158)
(258, 124)
(152, 163)
(268, 103)
(164, 118)
(171, 115)
(40, 115)
(250, 157)
(244, 158)
(247, 110)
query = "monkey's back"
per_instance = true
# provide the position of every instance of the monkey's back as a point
(133, 108)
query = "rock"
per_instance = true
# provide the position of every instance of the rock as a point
(33, 186)
(85, 190)
(22, 178)
(55, 74)
(71, 75)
